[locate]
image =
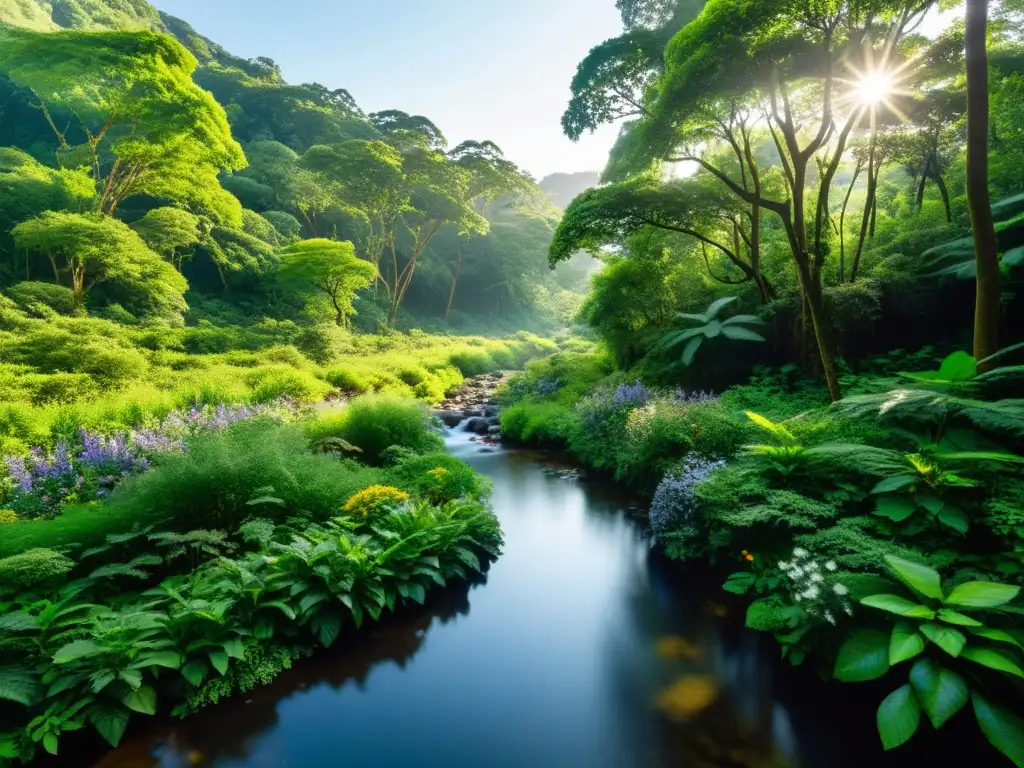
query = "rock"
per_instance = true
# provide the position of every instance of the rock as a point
(491, 410)
(493, 421)
(450, 418)
(494, 429)
(478, 425)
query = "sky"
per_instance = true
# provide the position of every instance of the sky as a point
(480, 69)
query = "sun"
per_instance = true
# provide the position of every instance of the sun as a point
(874, 88)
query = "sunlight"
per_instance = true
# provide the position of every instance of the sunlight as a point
(874, 88)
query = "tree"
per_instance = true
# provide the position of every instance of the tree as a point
(409, 130)
(168, 231)
(438, 194)
(87, 249)
(986, 312)
(138, 120)
(329, 267)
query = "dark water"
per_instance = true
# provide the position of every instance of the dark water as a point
(582, 648)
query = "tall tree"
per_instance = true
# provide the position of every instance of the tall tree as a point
(168, 231)
(986, 311)
(329, 267)
(138, 120)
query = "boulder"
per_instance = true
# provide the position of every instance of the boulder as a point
(478, 425)
(450, 418)
(494, 429)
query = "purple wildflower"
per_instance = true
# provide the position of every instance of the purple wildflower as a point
(675, 503)
(19, 473)
(632, 395)
(695, 398)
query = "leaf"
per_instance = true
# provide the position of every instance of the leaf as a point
(718, 305)
(20, 685)
(1003, 729)
(219, 659)
(999, 456)
(898, 718)
(739, 583)
(948, 639)
(959, 366)
(18, 622)
(864, 656)
(690, 350)
(282, 607)
(941, 692)
(50, 743)
(993, 659)
(905, 643)
(894, 483)
(955, 518)
(132, 677)
(920, 578)
(954, 617)
(898, 605)
(142, 700)
(330, 628)
(1014, 257)
(79, 649)
(743, 319)
(195, 672)
(896, 508)
(997, 635)
(234, 648)
(110, 722)
(712, 329)
(167, 659)
(417, 592)
(738, 333)
(982, 594)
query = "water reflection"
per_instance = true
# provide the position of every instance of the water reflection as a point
(584, 648)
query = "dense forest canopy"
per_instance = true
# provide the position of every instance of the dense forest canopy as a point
(219, 164)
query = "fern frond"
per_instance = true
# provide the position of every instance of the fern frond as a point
(778, 431)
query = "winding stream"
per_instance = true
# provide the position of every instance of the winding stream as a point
(583, 648)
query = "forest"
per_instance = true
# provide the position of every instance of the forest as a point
(787, 316)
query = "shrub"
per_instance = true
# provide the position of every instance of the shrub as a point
(348, 380)
(209, 486)
(375, 422)
(272, 382)
(8, 516)
(438, 477)
(28, 569)
(58, 298)
(472, 362)
(369, 502)
(503, 357)
(675, 512)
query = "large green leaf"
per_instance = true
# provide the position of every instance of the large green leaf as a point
(955, 617)
(993, 659)
(894, 483)
(79, 649)
(739, 333)
(712, 329)
(195, 672)
(899, 716)
(219, 659)
(942, 692)
(168, 659)
(142, 700)
(329, 628)
(717, 306)
(898, 605)
(918, 577)
(997, 635)
(20, 685)
(690, 351)
(234, 648)
(982, 594)
(905, 643)
(864, 656)
(954, 517)
(111, 722)
(895, 507)
(1003, 729)
(950, 640)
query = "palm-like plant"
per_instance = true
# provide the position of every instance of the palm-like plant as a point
(711, 327)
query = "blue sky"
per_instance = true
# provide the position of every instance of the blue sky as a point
(480, 69)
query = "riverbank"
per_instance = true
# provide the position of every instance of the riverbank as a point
(816, 515)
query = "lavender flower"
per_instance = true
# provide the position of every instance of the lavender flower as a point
(694, 398)
(675, 502)
(19, 473)
(633, 395)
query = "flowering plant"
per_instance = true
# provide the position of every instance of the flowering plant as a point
(374, 499)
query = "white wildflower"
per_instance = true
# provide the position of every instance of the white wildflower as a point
(840, 589)
(849, 611)
(831, 565)
(799, 552)
(798, 597)
(829, 617)
(813, 567)
(817, 578)
(812, 593)
(784, 566)
(797, 573)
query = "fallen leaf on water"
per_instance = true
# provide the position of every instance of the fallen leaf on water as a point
(688, 696)
(676, 647)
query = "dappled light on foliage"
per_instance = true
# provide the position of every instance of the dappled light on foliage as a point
(688, 697)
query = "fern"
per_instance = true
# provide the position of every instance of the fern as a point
(924, 406)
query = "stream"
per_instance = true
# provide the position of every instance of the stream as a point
(583, 647)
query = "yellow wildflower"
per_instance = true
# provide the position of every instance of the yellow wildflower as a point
(371, 500)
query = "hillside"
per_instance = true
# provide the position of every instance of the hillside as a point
(46, 15)
(561, 188)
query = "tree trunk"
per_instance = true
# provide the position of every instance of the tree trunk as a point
(986, 310)
(455, 282)
(842, 223)
(868, 207)
(941, 184)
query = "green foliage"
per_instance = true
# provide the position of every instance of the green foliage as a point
(31, 568)
(376, 422)
(733, 328)
(29, 295)
(438, 477)
(330, 268)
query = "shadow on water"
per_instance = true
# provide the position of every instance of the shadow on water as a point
(583, 648)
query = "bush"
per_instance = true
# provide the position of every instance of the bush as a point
(547, 424)
(58, 298)
(371, 501)
(210, 485)
(376, 422)
(348, 380)
(473, 362)
(271, 382)
(438, 477)
(36, 566)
